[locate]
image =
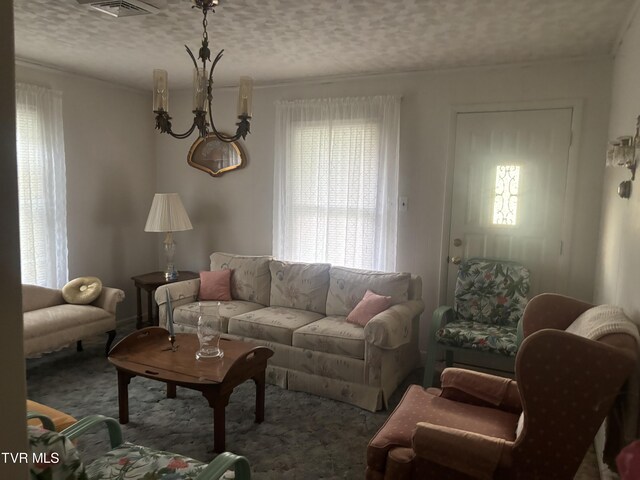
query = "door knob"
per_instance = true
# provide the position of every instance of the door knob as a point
(456, 260)
(457, 242)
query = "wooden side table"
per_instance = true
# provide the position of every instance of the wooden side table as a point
(149, 282)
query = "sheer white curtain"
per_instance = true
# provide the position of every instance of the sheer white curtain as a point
(41, 186)
(336, 181)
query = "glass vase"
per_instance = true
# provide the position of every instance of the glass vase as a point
(208, 332)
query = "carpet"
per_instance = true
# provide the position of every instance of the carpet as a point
(303, 436)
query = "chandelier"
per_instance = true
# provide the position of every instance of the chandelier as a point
(202, 91)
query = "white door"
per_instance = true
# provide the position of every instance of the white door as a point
(510, 176)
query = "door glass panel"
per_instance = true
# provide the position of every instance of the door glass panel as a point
(505, 205)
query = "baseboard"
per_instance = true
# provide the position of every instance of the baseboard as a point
(128, 323)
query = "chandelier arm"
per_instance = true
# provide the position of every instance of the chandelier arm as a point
(214, 63)
(182, 135)
(195, 64)
(222, 136)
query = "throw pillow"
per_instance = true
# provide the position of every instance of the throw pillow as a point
(370, 305)
(82, 290)
(215, 285)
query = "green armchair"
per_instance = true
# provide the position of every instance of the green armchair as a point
(484, 324)
(56, 458)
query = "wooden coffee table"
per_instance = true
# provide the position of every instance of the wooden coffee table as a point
(147, 353)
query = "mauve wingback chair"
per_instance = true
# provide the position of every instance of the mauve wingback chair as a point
(536, 427)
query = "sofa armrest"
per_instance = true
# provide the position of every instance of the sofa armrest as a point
(46, 421)
(223, 462)
(89, 422)
(109, 299)
(392, 328)
(441, 316)
(470, 453)
(480, 388)
(181, 293)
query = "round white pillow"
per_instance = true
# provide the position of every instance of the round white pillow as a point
(82, 290)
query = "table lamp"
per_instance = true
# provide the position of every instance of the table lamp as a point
(168, 215)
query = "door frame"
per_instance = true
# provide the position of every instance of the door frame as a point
(570, 192)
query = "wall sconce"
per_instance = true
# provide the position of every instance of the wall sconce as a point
(625, 152)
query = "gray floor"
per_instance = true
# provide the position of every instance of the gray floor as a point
(303, 436)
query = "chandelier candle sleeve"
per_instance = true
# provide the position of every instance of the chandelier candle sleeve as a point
(160, 91)
(199, 90)
(245, 96)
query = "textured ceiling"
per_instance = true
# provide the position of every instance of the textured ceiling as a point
(279, 40)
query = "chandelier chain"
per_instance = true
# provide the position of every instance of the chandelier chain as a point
(205, 35)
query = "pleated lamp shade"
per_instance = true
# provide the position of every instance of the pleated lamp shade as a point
(167, 214)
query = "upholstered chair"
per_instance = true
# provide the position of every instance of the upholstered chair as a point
(537, 427)
(56, 457)
(482, 324)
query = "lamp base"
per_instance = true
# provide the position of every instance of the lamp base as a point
(170, 273)
(170, 276)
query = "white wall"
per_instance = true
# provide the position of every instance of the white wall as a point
(12, 402)
(234, 212)
(618, 272)
(111, 175)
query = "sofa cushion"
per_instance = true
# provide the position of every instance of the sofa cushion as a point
(347, 286)
(135, 462)
(275, 324)
(50, 445)
(501, 339)
(215, 285)
(188, 314)
(331, 334)
(251, 280)
(299, 285)
(50, 320)
(420, 405)
(60, 419)
(35, 297)
(491, 291)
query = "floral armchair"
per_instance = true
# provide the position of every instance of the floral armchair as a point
(54, 457)
(490, 297)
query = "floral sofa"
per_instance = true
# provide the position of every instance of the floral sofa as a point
(299, 311)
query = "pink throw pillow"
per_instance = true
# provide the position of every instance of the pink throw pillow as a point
(215, 285)
(370, 305)
(628, 461)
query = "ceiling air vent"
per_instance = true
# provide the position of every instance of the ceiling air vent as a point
(121, 8)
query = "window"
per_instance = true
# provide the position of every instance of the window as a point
(41, 186)
(336, 181)
(505, 205)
